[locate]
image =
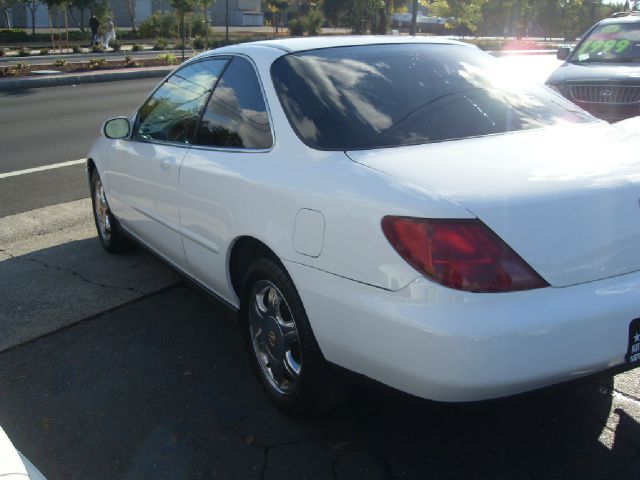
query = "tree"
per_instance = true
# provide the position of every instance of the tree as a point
(182, 7)
(4, 6)
(334, 11)
(131, 6)
(460, 14)
(32, 6)
(81, 6)
(277, 8)
(205, 4)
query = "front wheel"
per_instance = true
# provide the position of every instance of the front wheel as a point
(283, 350)
(111, 236)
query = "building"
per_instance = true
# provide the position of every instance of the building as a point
(242, 13)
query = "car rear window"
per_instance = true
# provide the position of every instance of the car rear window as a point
(374, 96)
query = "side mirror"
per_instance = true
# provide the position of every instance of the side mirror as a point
(117, 128)
(563, 53)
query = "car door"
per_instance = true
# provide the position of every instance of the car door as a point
(143, 176)
(230, 147)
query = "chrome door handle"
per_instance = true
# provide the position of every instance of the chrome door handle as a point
(167, 162)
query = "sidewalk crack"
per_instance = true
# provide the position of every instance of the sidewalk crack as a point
(77, 275)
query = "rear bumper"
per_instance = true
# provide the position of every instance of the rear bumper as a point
(447, 345)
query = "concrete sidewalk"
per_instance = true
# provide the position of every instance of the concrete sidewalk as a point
(25, 83)
(54, 272)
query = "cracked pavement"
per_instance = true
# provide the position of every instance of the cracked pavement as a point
(112, 368)
(53, 272)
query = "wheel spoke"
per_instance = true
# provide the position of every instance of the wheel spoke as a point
(273, 302)
(256, 318)
(292, 367)
(290, 336)
(277, 370)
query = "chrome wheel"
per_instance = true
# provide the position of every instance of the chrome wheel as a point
(102, 211)
(274, 337)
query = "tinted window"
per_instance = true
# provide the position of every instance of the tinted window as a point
(172, 112)
(363, 97)
(236, 115)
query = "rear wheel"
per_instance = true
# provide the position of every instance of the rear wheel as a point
(113, 239)
(283, 350)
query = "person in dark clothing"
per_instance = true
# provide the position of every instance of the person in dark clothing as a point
(94, 25)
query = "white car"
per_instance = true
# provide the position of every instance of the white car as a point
(400, 207)
(14, 465)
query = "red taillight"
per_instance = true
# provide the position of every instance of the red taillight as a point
(462, 254)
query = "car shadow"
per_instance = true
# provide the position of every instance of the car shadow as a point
(162, 388)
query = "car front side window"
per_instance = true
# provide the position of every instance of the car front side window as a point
(236, 115)
(172, 112)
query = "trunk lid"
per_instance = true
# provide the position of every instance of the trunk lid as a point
(566, 199)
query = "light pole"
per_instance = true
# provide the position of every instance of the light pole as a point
(226, 22)
(182, 28)
(414, 18)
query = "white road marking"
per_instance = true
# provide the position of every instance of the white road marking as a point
(42, 168)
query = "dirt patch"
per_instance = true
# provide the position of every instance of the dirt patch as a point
(94, 65)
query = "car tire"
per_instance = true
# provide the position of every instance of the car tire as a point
(110, 233)
(285, 355)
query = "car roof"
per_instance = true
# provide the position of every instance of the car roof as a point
(311, 43)
(631, 18)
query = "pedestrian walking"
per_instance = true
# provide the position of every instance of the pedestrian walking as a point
(94, 25)
(109, 33)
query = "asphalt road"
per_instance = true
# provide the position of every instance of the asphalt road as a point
(51, 125)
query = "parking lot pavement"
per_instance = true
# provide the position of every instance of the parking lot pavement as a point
(162, 388)
(128, 373)
(53, 272)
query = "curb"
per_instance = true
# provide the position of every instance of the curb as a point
(59, 80)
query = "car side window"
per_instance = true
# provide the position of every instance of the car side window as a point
(172, 112)
(236, 115)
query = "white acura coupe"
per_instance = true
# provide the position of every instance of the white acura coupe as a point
(401, 207)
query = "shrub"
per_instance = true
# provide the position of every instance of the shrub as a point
(159, 25)
(215, 43)
(76, 49)
(13, 35)
(136, 47)
(313, 22)
(161, 44)
(96, 63)
(60, 63)
(20, 69)
(169, 58)
(197, 26)
(97, 48)
(296, 27)
(117, 46)
(198, 43)
(2, 52)
(44, 51)
(24, 52)
(130, 62)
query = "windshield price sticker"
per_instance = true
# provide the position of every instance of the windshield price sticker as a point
(604, 46)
